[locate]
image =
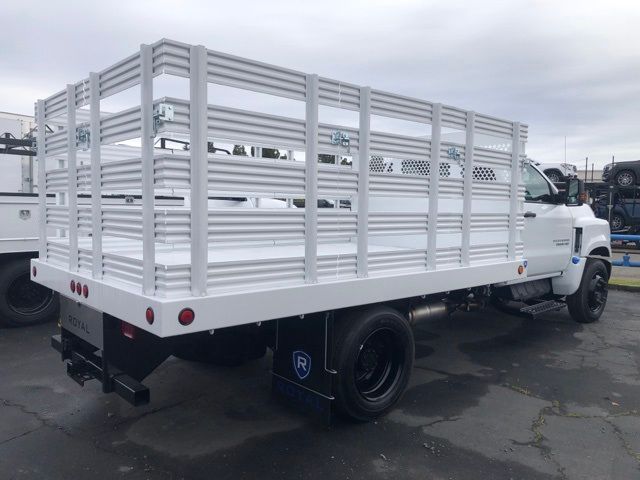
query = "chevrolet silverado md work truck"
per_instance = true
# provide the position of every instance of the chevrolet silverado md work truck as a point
(399, 229)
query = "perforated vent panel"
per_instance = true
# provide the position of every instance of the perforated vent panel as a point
(415, 167)
(484, 174)
(421, 168)
(378, 165)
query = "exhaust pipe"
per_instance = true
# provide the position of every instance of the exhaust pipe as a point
(429, 311)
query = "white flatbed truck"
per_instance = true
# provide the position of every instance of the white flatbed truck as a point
(22, 302)
(419, 226)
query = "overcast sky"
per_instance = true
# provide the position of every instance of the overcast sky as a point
(564, 67)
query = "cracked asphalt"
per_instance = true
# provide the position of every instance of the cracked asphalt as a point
(492, 396)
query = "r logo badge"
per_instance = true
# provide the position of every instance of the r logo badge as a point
(301, 364)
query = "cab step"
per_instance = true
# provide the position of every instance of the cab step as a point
(543, 307)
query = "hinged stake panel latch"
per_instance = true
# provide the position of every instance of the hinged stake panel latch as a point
(340, 138)
(83, 137)
(453, 153)
(164, 112)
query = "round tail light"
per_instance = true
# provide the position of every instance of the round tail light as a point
(85, 291)
(186, 316)
(72, 285)
(149, 315)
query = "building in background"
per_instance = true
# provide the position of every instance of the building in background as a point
(591, 175)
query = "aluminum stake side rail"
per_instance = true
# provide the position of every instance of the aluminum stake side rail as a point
(397, 216)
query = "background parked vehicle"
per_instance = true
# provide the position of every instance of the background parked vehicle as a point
(620, 206)
(558, 172)
(623, 174)
(22, 302)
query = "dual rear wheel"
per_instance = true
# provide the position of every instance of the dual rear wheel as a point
(373, 355)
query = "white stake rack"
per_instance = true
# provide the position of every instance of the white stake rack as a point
(407, 231)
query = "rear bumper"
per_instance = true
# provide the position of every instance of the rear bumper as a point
(83, 365)
(95, 345)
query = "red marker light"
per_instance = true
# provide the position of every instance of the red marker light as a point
(85, 291)
(128, 330)
(79, 288)
(149, 315)
(73, 285)
(34, 271)
(186, 316)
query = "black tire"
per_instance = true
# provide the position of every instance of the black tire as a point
(617, 222)
(225, 348)
(554, 175)
(588, 302)
(625, 178)
(23, 302)
(373, 355)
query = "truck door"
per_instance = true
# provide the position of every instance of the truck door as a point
(547, 226)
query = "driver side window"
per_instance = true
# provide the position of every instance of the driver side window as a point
(537, 189)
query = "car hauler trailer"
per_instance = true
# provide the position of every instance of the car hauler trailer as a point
(419, 226)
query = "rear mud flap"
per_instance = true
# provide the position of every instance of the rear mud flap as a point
(302, 373)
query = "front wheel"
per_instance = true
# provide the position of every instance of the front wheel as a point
(23, 302)
(587, 304)
(373, 357)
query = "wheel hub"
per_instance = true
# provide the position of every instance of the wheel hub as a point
(597, 292)
(379, 364)
(369, 359)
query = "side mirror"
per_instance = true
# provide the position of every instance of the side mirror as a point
(575, 193)
(561, 196)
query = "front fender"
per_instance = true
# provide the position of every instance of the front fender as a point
(595, 242)
(569, 281)
(596, 233)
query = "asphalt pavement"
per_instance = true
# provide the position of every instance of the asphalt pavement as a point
(492, 396)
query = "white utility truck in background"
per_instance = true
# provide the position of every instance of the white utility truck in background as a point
(558, 172)
(416, 226)
(22, 302)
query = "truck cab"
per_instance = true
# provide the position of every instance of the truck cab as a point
(564, 243)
